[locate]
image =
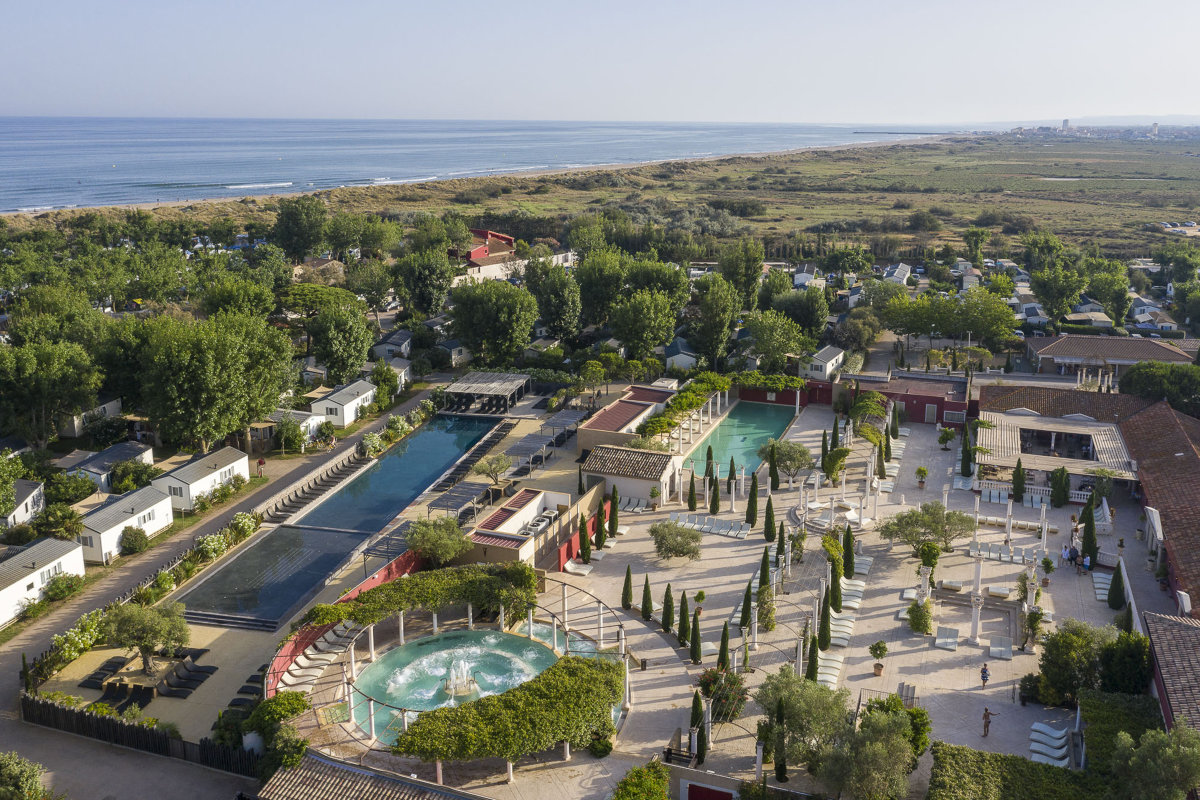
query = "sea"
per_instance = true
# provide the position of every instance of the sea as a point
(67, 162)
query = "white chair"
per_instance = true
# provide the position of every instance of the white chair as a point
(1054, 762)
(1057, 733)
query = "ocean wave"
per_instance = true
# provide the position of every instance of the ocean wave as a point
(35, 208)
(279, 185)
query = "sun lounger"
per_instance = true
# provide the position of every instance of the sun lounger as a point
(854, 582)
(305, 660)
(1041, 727)
(192, 666)
(1002, 592)
(1049, 752)
(1054, 762)
(952, 586)
(946, 639)
(707, 527)
(576, 568)
(622, 530)
(908, 594)
(311, 672)
(1001, 647)
(250, 689)
(852, 603)
(673, 516)
(1048, 741)
(165, 690)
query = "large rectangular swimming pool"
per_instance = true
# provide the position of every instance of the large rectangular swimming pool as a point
(370, 501)
(746, 428)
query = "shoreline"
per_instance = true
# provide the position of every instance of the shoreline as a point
(60, 211)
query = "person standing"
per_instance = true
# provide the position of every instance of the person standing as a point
(984, 675)
(1064, 556)
(1087, 563)
(987, 719)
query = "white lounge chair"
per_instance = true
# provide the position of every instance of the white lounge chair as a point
(1057, 733)
(1054, 762)
(1048, 741)
(946, 639)
(576, 568)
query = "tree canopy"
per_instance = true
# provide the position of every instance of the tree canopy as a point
(438, 541)
(494, 319)
(775, 337)
(1179, 384)
(146, 629)
(643, 321)
(929, 523)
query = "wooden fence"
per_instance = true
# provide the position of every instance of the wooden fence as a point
(116, 731)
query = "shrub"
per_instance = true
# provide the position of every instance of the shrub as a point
(920, 617)
(918, 718)
(1070, 660)
(63, 586)
(600, 747)
(1107, 714)
(133, 540)
(32, 609)
(213, 546)
(133, 474)
(20, 534)
(727, 690)
(672, 540)
(21, 779)
(650, 782)
(1125, 664)
(271, 713)
(960, 773)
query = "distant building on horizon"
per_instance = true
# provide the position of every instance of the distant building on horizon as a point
(1066, 125)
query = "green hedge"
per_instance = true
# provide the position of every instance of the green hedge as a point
(771, 383)
(960, 773)
(688, 399)
(651, 782)
(1105, 714)
(572, 701)
(484, 586)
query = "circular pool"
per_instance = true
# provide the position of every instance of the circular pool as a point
(443, 670)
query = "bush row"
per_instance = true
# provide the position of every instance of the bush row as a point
(960, 773)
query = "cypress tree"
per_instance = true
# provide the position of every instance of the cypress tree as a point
(824, 447)
(752, 501)
(745, 656)
(685, 622)
(729, 480)
(601, 514)
(1018, 483)
(580, 479)
(773, 468)
(647, 601)
(601, 536)
(692, 493)
(810, 671)
(723, 656)
(780, 544)
(848, 553)
(714, 498)
(823, 631)
(835, 586)
(764, 571)
(896, 424)
(668, 611)
(780, 749)
(585, 542)
(769, 521)
(887, 444)
(833, 440)
(766, 607)
(697, 710)
(880, 469)
(1088, 544)
(744, 620)
(612, 514)
(965, 460)
(627, 590)
(708, 465)
(1116, 592)
(701, 743)
(697, 657)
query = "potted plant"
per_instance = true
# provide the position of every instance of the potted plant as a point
(922, 474)
(878, 651)
(654, 494)
(1120, 547)
(1047, 568)
(946, 437)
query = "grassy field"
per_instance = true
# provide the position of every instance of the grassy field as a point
(1087, 191)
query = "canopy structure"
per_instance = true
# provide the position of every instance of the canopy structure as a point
(501, 389)
(458, 498)
(564, 420)
(392, 545)
(529, 446)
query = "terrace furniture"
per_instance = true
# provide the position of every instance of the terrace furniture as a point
(173, 681)
(1049, 741)
(946, 639)
(576, 568)
(908, 594)
(1001, 647)
(1002, 592)
(303, 660)
(114, 693)
(141, 696)
(241, 702)
(164, 689)
(908, 694)
(1054, 762)
(707, 527)
(1041, 727)
(192, 666)
(952, 586)
(622, 530)
(250, 689)
(673, 516)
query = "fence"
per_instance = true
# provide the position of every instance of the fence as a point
(138, 737)
(984, 485)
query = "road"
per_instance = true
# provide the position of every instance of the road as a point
(85, 768)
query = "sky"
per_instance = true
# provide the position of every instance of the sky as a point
(921, 62)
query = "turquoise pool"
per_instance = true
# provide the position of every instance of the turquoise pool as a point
(744, 429)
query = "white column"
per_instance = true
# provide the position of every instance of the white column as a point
(371, 718)
(1045, 530)
(946, 495)
(554, 634)
(437, 768)
(566, 750)
(708, 720)
(565, 610)
(400, 620)
(353, 664)
(976, 608)
(1010, 504)
(758, 762)
(733, 501)
(599, 625)
(371, 640)
(621, 642)
(502, 619)
(345, 685)
(470, 617)
(435, 623)
(742, 479)
(978, 574)
(627, 700)
(529, 619)
(511, 779)
(754, 626)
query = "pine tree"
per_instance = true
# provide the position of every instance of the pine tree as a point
(835, 586)
(1088, 544)
(692, 493)
(601, 536)
(848, 553)
(580, 479)
(965, 461)
(744, 620)
(697, 710)
(723, 656)
(752, 501)
(729, 480)
(769, 521)
(773, 469)
(668, 610)
(780, 749)
(647, 601)
(701, 743)
(1116, 592)
(696, 654)
(823, 631)
(824, 448)
(585, 542)
(714, 498)
(833, 440)
(627, 590)
(685, 622)
(764, 571)
(612, 514)
(810, 671)
(1018, 483)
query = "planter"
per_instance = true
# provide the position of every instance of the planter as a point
(878, 669)
(1045, 582)
(920, 484)
(1024, 699)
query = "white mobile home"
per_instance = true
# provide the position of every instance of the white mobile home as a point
(25, 571)
(201, 475)
(30, 500)
(147, 508)
(343, 406)
(99, 466)
(71, 426)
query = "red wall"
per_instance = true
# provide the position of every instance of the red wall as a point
(570, 548)
(914, 406)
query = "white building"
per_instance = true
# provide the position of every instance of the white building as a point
(30, 500)
(898, 273)
(825, 363)
(201, 475)
(148, 508)
(635, 473)
(346, 404)
(804, 275)
(680, 354)
(395, 343)
(25, 571)
(71, 425)
(98, 467)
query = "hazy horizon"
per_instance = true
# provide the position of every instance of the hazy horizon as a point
(864, 62)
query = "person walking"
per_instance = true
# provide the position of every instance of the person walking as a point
(987, 719)
(1074, 559)
(1087, 563)
(984, 675)
(1064, 556)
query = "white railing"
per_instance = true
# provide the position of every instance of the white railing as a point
(983, 485)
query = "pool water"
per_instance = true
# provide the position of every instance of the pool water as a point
(267, 581)
(414, 676)
(374, 498)
(744, 429)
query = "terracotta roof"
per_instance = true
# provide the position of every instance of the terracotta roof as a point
(616, 416)
(1053, 402)
(648, 394)
(1107, 348)
(904, 383)
(626, 462)
(489, 540)
(1175, 643)
(316, 778)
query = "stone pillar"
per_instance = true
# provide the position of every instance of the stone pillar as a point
(733, 501)
(705, 482)
(435, 623)
(400, 620)
(621, 642)
(693, 739)
(371, 718)
(501, 619)
(470, 617)
(708, 720)
(566, 611)
(758, 762)
(599, 625)
(1045, 530)
(1010, 504)
(529, 619)
(554, 634)
(627, 700)
(371, 640)
(754, 626)
(404, 719)
(742, 479)
(345, 685)
(976, 608)
(946, 495)
(353, 663)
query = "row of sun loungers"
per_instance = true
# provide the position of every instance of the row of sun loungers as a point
(302, 675)
(634, 505)
(1101, 581)
(829, 668)
(1050, 745)
(734, 530)
(104, 672)
(1018, 524)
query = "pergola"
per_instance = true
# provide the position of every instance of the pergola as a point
(498, 386)
(391, 545)
(459, 497)
(564, 421)
(1003, 444)
(529, 446)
